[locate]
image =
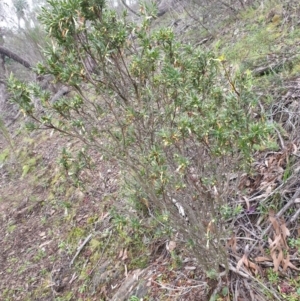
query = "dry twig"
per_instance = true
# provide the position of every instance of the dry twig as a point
(80, 248)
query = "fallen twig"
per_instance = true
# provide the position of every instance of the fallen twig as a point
(180, 290)
(294, 217)
(101, 256)
(280, 138)
(80, 248)
(288, 204)
(249, 276)
(279, 214)
(73, 278)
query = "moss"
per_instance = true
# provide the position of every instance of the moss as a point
(4, 155)
(76, 234)
(29, 166)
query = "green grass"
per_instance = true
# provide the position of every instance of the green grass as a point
(257, 41)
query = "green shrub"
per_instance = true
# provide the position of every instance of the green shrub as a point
(175, 118)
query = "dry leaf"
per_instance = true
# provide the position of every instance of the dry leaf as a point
(190, 268)
(45, 243)
(240, 262)
(171, 246)
(125, 271)
(125, 256)
(211, 227)
(270, 241)
(275, 244)
(247, 202)
(277, 257)
(281, 162)
(269, 189)
(275, 224)
(272, 213)
(243, 261)
(232, 243)
(262, 259)
(252, 267)
(295, 148)
(103, 290)
(286, 263)
(104, 215)
(285, 232)
(292, 266)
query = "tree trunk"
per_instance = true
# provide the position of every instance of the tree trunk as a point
(4, 51)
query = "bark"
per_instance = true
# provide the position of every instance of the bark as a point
(60, 93)
(4, 51)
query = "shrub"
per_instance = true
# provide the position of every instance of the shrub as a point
(175, 118)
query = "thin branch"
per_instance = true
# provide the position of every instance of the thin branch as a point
(80, 248)
(129, 8)
(249, 276)
(278, 215)
(294, 217)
